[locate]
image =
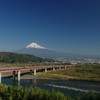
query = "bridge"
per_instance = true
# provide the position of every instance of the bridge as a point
(31, 69)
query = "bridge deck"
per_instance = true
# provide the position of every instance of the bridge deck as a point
(31, 68)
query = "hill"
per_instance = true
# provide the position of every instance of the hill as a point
(9, 57)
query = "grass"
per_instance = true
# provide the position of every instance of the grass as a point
(90, 72)
(80, 72)
(24, 93)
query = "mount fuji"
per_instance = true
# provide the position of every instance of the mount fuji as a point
(40, 51)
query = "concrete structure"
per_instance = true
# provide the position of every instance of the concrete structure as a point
(53, 68)
(45, 70)
(19, 75)
(34, 69)
(35, 72)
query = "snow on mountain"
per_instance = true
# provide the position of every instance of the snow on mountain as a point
(35, 45)
(40, 51)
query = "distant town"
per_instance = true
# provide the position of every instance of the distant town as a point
(80, 60)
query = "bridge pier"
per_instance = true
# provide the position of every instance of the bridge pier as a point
(14, 75)
(53, 69)
(19, 75)
(35, 72)
(45, 70)
(0, 77)
(16, 71)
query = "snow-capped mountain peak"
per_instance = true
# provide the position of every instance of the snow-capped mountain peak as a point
(35, 45)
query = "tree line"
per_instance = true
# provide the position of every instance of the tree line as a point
(9, 57)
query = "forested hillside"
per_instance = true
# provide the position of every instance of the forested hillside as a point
(8, 57)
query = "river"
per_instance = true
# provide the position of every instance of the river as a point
(69, 87)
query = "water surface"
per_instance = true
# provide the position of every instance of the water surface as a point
(66, 86)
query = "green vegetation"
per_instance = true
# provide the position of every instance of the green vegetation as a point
(91, 96)
(90, 72)
(23, 93)
(8, 57)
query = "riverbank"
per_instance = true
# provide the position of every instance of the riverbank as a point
(22, 93)
(80, 72)
(29, 93)
(87, 73)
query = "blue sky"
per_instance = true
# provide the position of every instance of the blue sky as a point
(71, 26)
